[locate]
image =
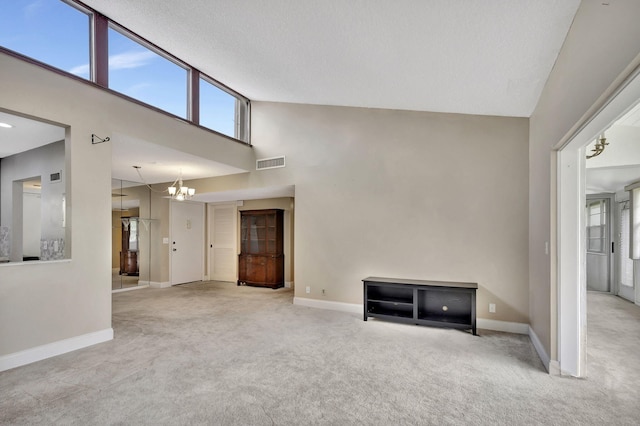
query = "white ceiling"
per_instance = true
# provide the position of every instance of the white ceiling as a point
(159, 164)
(488, 57)
(26, 134)
(619, 163)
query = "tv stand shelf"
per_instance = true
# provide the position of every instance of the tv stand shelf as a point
(433, 303)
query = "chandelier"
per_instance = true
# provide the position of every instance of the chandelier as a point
(180, 192)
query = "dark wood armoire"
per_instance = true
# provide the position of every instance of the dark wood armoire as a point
(261, 260)
(129, 264)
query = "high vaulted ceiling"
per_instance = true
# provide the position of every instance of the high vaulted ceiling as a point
(489, 57)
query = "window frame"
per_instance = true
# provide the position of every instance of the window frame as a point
(242, 110)
(99, 25)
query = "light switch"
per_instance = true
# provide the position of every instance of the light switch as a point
(165, 240)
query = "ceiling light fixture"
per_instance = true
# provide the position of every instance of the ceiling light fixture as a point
(179, 193)
(6, 125)
(601, 143)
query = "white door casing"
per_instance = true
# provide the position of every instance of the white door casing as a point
(187, 242)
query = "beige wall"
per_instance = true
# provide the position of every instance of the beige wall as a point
(602, 42)
(401, 194)
(41, 303)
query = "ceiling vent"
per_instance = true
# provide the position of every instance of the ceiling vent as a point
(270, 163)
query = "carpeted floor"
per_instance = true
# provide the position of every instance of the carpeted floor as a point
(213, 353)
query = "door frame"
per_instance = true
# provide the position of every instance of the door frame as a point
(570, 235)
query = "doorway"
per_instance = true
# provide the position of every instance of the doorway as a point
(571, 230)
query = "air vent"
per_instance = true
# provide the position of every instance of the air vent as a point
(270, 163)
(55, 177)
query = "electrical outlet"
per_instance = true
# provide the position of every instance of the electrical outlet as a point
(308, 289)
(492, 308)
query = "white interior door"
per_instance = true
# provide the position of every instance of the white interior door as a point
(187, 242)
(223, 258)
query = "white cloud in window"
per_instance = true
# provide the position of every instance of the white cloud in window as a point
(131, 59)
(121, 61)
(81, 70)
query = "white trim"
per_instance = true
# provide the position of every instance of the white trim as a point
(49, 350)
(571, 269)
(540, 349)
(554, 368)
(506, 326)
(288, 284)
(155, 284)
(325, 304)
(205, 278)
(137, 287)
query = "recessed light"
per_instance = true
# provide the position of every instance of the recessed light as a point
(7, 125)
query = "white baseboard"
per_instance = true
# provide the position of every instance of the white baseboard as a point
(506, 326)
(155, 284)
(325, 304)
(544, 357)
(288, 284)
(49, 350)
(138, 287)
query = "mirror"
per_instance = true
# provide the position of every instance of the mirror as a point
(131, 234)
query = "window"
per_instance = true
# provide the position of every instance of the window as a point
(49, 31)
(143, 74)
(596, 222)
(221, 111)
(64, 34)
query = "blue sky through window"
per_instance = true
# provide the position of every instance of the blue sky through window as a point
(143, 74)
(47, 30)
(57, 34)
(217, 109)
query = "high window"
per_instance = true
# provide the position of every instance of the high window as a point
(64, 42)
(218, 109)
(74, 39)
(143, 74)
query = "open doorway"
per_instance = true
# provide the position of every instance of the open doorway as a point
(577, 176)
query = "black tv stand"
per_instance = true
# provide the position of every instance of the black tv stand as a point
(433, 303)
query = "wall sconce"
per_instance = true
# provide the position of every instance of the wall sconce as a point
(599, 147)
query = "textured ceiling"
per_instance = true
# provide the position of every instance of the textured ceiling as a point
(478, 57)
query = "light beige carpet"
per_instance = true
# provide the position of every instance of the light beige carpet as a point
(218, 354)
